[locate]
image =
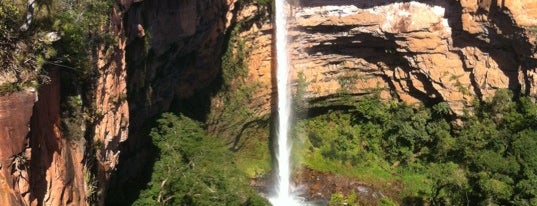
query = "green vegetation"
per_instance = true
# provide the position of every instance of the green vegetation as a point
(73, 118)
(253, 157)
(23, 52)
(235, 93)
(194, 169)
(63, 34)
(299, 99)
(339, 199)
(80, 25)
(232, 116)
(489, 160)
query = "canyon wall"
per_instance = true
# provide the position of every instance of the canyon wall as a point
(55, 167)
(173, 50)
(15, 113)
(109, 128)
(45, 164)
(167, 57)
(39, 166)
(417, 52)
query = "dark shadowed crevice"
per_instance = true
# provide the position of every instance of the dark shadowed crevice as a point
(475, 85)
(391, 85)
(174, 67)
(531, 64)
(321, 110)
(379, 51)
(504, 42)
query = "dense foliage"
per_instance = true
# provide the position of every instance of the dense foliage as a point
(23, 52)
(193, 169)
(81, 25)
(488, 159)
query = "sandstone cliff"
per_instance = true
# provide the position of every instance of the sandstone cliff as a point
(419, 51)
(168, 57)
(55, 165)
(109, 99)
(65, 157)
(15, 113)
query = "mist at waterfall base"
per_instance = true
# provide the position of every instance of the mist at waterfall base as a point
(282, 189)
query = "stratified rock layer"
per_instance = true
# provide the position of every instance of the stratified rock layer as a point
(168, 57)
(418, 52)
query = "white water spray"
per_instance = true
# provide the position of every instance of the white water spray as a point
(283, 195)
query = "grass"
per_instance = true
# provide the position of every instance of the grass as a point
(364, 171)
(415, 184)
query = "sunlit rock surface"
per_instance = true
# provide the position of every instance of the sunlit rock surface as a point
(418, 52)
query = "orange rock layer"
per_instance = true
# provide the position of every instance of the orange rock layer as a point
(418, 52)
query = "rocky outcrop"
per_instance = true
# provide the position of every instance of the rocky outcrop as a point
(418, 51)
(111, 122)
(55, 164)
(15, 113)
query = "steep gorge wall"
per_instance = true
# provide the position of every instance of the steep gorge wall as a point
(55, 164)
(40, 166)
(43, 163)
(15, 113)
(109, 98)
(168, 58)
(419, 51)
(172, 52)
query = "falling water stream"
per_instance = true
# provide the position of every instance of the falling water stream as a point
(282, 196)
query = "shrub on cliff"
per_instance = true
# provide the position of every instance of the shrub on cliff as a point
(21, 54)
(192, 168)
(80, 24)
(490, 160)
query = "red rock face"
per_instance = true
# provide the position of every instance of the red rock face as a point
(42, 167)
(56, 170)
(15, 113)
(110, 98)
(402, 49)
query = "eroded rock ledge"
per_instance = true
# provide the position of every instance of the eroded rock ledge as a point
(418, 51)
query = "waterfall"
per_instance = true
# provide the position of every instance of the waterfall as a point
(283, 195)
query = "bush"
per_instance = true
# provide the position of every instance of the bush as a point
(490, 159)
(192, 168)
(21, 54)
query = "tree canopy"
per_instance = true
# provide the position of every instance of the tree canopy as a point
(193, 168)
